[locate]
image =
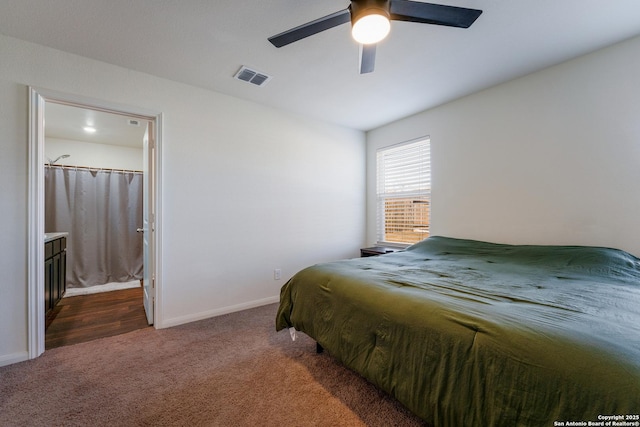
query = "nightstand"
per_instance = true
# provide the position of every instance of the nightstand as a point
(376, 250)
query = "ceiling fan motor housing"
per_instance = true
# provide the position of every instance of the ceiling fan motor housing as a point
(360, 8)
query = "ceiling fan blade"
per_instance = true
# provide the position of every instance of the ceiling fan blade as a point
(367, 58)
(429, 13)
(311, 28)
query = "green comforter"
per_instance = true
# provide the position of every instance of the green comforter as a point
(468, 333)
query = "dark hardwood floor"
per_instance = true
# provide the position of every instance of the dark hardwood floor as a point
(88, 317)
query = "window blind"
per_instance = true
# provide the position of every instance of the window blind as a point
(403, 192)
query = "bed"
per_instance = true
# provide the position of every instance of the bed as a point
(466, 333)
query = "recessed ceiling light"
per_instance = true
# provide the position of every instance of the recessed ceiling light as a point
(89, 129)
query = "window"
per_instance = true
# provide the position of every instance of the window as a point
(404, 192)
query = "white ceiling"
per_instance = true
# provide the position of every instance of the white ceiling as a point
(204, 42)
(68, 122)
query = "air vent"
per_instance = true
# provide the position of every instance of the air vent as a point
(252, 76)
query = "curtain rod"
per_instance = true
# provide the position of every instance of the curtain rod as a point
(92, 168)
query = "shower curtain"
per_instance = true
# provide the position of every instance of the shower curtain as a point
(100, 209)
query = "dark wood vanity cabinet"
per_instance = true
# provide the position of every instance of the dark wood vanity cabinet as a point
(55, 272)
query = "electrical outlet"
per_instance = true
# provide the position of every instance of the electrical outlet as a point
(277, 274)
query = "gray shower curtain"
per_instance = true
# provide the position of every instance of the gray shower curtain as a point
(100, 209)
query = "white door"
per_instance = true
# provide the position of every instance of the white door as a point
(148, 223)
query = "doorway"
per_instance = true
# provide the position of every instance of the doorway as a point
(150, 145)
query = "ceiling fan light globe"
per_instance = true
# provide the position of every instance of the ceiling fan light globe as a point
(370, 29)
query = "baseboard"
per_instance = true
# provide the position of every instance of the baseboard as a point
(167, 323)
(10, 359)
(107, 287)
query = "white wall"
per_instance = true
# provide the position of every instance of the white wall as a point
(550, 158)
(90, 154)
(246, 188)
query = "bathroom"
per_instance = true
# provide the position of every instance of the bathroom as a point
(94, 196)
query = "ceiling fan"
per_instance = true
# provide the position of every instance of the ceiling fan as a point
(370, 23)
